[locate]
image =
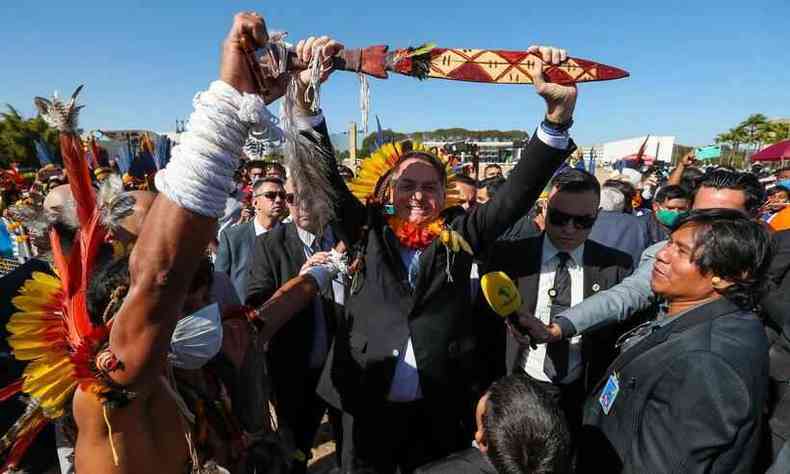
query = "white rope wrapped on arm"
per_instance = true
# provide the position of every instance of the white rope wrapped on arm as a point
(199, 177)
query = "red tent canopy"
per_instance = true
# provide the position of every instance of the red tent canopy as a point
(776, 152)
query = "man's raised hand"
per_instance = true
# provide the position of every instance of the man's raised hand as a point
(233, 68)
(560, 100)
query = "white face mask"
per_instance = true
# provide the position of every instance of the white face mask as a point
(196, 339)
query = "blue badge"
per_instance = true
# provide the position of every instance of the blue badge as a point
(609, 393)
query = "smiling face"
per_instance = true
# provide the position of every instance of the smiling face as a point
(675, 275)
(417, 191)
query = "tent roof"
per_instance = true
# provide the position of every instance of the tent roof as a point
(776, 152)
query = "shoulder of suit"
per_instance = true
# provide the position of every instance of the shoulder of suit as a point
(512, 253)
(276, 234)
(607, 256)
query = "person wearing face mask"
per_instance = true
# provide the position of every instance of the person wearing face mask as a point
(398, 363)
(669, 204)
(106, 365)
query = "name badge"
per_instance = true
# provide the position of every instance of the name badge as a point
(609, 393)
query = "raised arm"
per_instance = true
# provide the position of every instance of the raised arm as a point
(349, 212)
(549, 147)
(182, 219)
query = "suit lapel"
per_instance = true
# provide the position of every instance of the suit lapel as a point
(592, 272)
(295, 248)
(528, 285)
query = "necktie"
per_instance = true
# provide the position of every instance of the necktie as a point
(555, 365)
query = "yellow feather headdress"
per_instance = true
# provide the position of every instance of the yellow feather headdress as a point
(384, 159)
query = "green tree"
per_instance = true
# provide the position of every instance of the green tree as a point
(18, 137)
(754, 130)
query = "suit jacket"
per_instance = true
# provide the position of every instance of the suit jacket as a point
(604, 267)
(625, 232)
(234, 254)
(691, 397)
(468, 461)
(278, 256)
(384, 311)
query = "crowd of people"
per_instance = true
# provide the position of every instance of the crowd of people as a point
(212, 321)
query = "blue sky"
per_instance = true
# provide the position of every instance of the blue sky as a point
(697, 67)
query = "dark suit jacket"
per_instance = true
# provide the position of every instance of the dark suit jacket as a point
(385, 311)
(604, 267)
(621, 231)
(278, 256)
(775, 304)
(469, 461)
(234, 254)
(691, 398)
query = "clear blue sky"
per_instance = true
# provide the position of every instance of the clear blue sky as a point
(697, 67)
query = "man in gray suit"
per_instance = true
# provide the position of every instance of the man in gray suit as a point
(236, 243)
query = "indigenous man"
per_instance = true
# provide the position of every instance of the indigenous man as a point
(126, 416)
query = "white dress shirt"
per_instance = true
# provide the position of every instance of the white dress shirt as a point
(549, 261)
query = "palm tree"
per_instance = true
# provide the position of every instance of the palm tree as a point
(754, 129)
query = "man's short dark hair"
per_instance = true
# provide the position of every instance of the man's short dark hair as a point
(463, 179)
(670, 192)
(278, 166)
(525, 431)
(112, 277)
(576, 181)
(266, 179)
(746, 182)
(732, 246)
(690, 178)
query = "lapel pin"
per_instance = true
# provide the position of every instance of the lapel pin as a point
(596, 287)
(552, 293)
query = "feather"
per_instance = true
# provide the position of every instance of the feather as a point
(10, 390)
(58, 115)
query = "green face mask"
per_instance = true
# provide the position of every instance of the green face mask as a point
(668, 217)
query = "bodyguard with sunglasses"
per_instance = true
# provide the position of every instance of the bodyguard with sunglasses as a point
(236, 243)
(554, 271)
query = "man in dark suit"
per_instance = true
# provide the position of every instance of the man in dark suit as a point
(298, 352)
(395, 366)
(554, 271)
(688, 391)
(236, 243)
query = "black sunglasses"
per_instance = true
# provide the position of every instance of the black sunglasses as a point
(560, 218)
(272, 195)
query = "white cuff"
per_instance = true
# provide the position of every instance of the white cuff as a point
(559, 142)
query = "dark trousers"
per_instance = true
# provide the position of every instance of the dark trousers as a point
(387, 437)
(299, 411)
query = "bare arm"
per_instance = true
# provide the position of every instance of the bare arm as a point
(165, 257)
(677, 173)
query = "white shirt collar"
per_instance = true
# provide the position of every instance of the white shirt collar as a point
(305, 236)
(259, 229)
(550, 251)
